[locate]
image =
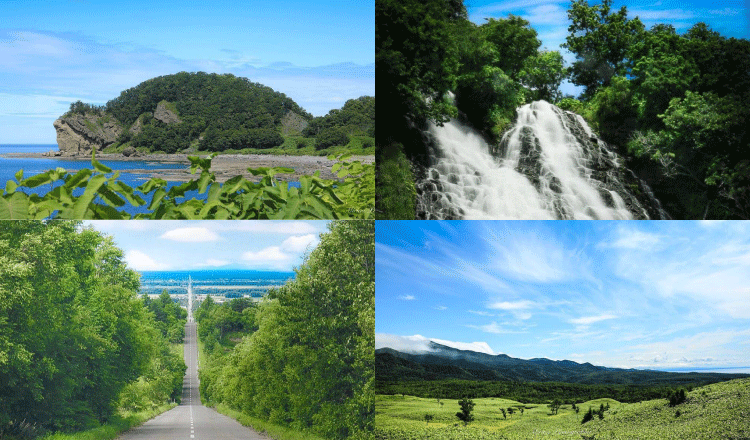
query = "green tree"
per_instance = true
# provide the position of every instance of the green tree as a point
(514, 41)
(467, 406)
(310, 364)
(542, 73)
(427, 418)
(600, 39)
(554, 406)
(71, 317)
(416, 58)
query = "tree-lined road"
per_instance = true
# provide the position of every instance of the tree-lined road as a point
(191, 420)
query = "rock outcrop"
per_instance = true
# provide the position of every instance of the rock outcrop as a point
(80, 134)
(163, 114)
(292, 124)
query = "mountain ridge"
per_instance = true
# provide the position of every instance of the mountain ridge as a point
(444, 362)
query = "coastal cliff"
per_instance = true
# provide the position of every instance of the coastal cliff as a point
(79, 134)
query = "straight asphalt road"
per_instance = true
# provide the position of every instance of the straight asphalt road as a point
(191, 420)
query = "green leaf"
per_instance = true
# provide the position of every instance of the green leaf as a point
(76, 180)
(82, 204)
(19, 175)
(100, 167)
(39, 179)
(10, 187)
(14, 207)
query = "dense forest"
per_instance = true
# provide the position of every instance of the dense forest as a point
(674, 105)
(77, 345)
(212, 112)
(304, 357)
(528, 392)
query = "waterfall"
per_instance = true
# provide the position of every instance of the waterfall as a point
(549, 165)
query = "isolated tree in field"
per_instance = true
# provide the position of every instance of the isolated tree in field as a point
(510, 411)
(467, 406)
(427, 418)
(588, 416)
(554, 406)
(677, 397)
(502, 410)
(521, 408)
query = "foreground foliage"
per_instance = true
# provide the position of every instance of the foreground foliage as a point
(76, 343)
(711, 412)
(97, 194)
(307, 356)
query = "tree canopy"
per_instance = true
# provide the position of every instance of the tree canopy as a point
(307, 359)
(73, 333)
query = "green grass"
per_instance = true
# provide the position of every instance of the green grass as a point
(124, 422)
(276, 432)
(717, 411)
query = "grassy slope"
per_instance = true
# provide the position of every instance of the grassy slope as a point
(718, 411)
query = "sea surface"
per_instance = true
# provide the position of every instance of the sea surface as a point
(221, 283)
(33, 166)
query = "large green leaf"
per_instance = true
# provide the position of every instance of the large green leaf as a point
(14, 207)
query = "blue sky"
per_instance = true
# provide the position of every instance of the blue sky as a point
(657, 295)
(196, 245)
(55, 52)
(550, 19)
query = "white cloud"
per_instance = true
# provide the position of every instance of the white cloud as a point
(481, 313)
(588, 320)
(271, 253)
(138, 260)
(514, 305)
(494, 328)
(299, 243)
(441, 308)
(419, 344)
(407, 298)
(191, 235)
(627, 238)
(276, 227)
(211, 262)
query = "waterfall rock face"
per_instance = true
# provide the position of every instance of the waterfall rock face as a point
(79, 134)
(550, 165)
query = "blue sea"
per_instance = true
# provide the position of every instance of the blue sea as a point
(33, 166)
(221, 283)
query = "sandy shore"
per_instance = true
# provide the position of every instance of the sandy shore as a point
(225, 166)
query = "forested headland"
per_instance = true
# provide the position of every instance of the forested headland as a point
(78, 347)
(303, 357)
(213, 113)
(673, 105)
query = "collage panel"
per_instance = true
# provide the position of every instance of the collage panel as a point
(182, 329)
(562, 330)
(190, 111)
(562, 110)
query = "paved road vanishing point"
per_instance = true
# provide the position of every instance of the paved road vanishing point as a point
(191, 420)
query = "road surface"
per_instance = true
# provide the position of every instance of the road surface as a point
(191, 420)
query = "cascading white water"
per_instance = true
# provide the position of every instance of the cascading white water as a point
(548, 166)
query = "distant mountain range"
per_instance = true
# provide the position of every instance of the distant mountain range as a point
(443, 362)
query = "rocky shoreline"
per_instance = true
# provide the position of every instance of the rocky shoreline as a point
(225, 166)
